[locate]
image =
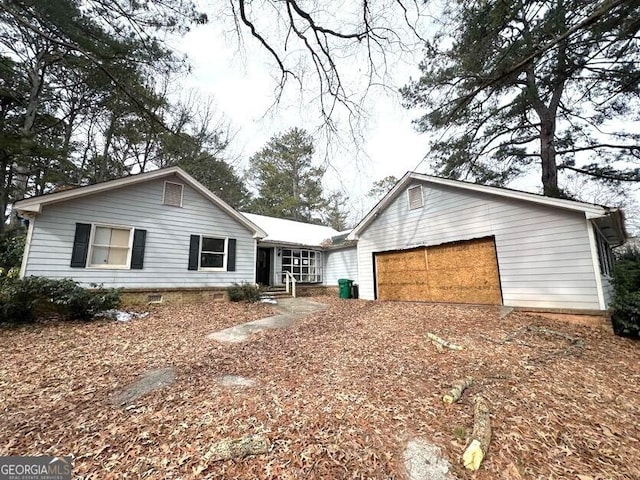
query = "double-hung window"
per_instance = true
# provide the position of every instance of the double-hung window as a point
(110, 247)
(213, 253)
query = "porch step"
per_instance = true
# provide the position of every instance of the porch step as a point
(275, 292)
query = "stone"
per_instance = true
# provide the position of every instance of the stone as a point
(424, 461)
(235, 381)
(148, 382)
(292, 309)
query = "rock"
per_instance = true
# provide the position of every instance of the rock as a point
(424, 461)
(235, 381)
(149, 381)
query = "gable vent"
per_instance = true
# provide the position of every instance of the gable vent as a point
(415, 197)
(172, 194)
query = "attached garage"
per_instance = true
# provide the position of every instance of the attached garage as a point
(457, 272)
(441, 240)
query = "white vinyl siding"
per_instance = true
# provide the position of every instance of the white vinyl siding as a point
(544, 254)
(168, 228)
(340, 263)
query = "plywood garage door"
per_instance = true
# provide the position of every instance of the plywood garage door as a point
(461, 272)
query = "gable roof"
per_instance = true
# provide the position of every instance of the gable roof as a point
(35, 204)
(609, 220)
(291, 232)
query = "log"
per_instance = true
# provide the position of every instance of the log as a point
(456, 391)
(481, 437)
(439, 342)
(237, 448)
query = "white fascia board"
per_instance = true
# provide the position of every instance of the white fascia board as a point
(590, 210)
(381, 205)
(34, 204)
(515, 194)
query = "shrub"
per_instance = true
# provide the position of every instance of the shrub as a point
(25, 300)
(625, 318)
(11, 249)
(243, 292)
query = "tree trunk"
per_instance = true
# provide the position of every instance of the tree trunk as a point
(547, 134)
(103, 166)
(36, 80)
(237, 448)
(548, 157)
(457, 390)
(440, 342)
(7, 180)
(481, 437)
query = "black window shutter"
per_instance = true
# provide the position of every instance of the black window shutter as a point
(137, 252)
(231, 255)
(80, 245)
(194, 252)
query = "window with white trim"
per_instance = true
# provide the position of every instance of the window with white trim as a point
(173, 194)
(414, 195)
(304, 265)
(213, 253)
(604, 254)
(110, 246)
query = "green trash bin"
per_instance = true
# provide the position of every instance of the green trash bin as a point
(344, 286)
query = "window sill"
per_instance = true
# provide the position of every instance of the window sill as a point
(212, 269)
(109, 267)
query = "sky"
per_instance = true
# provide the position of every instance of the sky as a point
(242, 85)
(242, 79)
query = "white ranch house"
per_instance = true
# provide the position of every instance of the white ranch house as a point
(428, 239)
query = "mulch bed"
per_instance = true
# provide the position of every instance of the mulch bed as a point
(338, 395)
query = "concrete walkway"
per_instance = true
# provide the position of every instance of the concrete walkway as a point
(292, 310)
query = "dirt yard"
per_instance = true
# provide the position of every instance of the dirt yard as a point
(338, 395)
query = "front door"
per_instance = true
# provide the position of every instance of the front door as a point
(263, 266)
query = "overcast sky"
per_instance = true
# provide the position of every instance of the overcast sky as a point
(243, 83)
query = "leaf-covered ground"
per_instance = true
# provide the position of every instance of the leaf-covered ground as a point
(338, 395)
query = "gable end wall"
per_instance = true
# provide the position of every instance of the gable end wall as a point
(544, 254)
(167, 243)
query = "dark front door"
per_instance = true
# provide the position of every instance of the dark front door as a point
(263, 267)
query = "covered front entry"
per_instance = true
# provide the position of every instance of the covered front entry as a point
(459, 272)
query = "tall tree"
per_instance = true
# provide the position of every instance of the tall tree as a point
(219, 177)
(550, 84)
(381, 187)
(335, 214)
(74, 77)
(287, 183)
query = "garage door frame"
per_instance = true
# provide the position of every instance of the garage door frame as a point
(444, 244)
